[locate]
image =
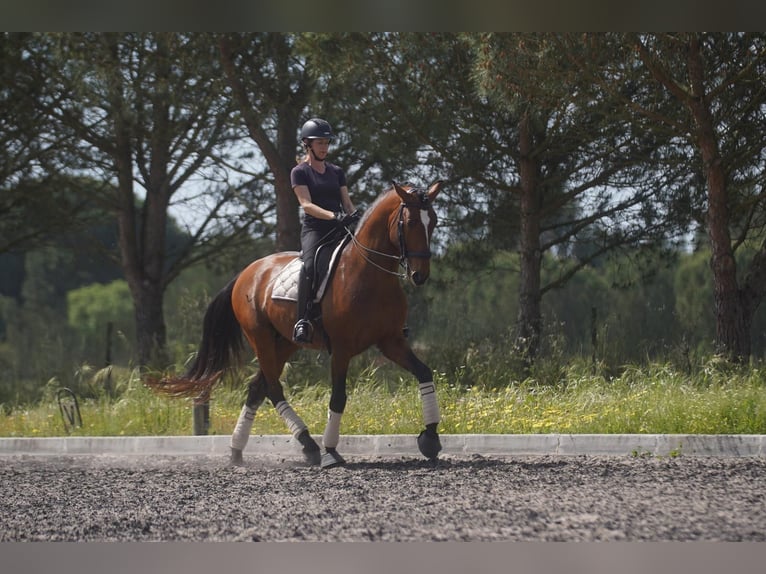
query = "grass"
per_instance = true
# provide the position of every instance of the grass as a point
(652, 399)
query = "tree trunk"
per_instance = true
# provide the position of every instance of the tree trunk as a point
(529, 317)
(288, 217)
(142, 242)
(150, 319)
(733, 319)
(150, 327)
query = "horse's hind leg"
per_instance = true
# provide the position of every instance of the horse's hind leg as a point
(256, 393)
(272, 362)
(399, 351)
(272, 355)
(294, 423)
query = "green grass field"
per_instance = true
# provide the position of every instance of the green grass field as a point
(653, 399)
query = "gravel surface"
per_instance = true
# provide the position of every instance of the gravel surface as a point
(578, 498)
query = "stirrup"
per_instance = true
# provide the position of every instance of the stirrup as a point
(302, 331)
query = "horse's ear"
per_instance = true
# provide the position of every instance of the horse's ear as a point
(403, 193)
(434, 190)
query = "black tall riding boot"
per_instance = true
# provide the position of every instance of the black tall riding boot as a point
(302, 330)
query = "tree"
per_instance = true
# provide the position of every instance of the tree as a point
(716, 82)
(581, 168)
(149, 115)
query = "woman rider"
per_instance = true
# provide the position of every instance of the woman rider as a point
(320, 187)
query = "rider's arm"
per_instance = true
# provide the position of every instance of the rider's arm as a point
(309, 207)
(345, 199)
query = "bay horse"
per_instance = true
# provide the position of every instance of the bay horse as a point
(364, 305)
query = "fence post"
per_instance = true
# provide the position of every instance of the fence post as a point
(593, 333)
(201, 413)
(108, 359)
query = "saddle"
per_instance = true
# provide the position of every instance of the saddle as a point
(285, 285)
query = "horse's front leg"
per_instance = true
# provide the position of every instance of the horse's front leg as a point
(399, 351)
(331, 437)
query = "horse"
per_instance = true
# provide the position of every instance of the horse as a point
(364, 304)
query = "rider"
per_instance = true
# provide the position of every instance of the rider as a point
(323, 194)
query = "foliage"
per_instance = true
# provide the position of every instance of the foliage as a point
(585, 176)
(147, 112)
(97, 311)
(694, 300)
(35, 197)
(654, 399)
(712, 97)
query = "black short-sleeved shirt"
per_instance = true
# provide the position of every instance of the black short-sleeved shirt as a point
(324, 188)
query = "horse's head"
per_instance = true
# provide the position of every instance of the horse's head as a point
(413, 229)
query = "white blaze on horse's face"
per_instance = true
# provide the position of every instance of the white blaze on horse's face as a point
(426, 219)
(418, 244)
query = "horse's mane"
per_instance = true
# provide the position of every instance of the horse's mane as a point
(382, 197)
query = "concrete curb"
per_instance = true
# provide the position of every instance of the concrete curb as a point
(403, 445)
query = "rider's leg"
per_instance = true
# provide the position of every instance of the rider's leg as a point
(302, 330)
(310, 239)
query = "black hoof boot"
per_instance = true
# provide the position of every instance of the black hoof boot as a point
(312, 456)
(236, 457)
(302, 332)
(331, 459)
(311, 451)
(429, 443)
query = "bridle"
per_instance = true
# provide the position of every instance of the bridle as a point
(404, 254)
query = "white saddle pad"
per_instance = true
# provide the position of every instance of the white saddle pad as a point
(286, 282)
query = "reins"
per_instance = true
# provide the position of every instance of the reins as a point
(404, 254)
(364, 250)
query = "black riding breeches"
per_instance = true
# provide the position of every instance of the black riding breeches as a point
(311, 239)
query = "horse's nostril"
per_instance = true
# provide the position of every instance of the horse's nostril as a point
(418, 278)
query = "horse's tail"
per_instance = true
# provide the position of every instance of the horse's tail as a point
(220, 347)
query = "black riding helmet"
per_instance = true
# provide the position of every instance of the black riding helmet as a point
(316, 128)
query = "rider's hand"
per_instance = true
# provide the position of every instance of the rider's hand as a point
(346, 219)
(350, 220)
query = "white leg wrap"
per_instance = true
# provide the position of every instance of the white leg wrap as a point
(332, 430)
(242, 430)
(292, 420)
(430, 406)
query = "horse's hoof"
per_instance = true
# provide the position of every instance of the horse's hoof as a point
(236, 457)
(331, 459)
(312, 455)
(311, 450)
(429, 444)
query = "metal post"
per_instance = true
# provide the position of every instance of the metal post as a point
(69, 409)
